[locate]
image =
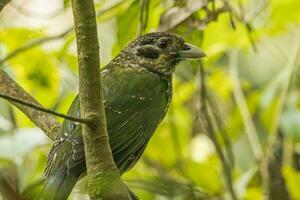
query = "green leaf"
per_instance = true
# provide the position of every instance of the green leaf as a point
(206, 174)
(284, 14)
(13, 38)
(9, 181)
(292, 178)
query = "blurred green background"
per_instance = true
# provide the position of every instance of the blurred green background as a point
(225, 111)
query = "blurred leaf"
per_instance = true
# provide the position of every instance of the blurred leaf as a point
(284, 13)
(242, 183)
(125, 34)
(292, 178)
(13, 38)
(206, 174)
(31, 170)
(221, 36)
(254, 193)
(220, 83)
(16, 146)
(164, 186)
(290, 124)
(9, 182)
(66, 3)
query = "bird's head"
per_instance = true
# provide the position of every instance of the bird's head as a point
(158, 52)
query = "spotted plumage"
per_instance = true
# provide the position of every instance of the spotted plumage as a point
(137, 90)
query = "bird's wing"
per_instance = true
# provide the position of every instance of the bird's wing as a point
(132, 116)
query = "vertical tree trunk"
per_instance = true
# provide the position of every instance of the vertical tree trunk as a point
(277, 186)
(104, 179)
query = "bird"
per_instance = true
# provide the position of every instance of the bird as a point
(137, 91)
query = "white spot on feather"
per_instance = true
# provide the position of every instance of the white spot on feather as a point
(54, 157)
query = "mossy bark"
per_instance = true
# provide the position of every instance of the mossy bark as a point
(104, 179)
(43, 120)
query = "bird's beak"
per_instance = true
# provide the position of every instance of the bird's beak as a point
(190, 52)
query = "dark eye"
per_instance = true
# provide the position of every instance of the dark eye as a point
(163, 43)
(148, 51)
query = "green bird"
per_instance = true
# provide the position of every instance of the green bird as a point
(137, 90)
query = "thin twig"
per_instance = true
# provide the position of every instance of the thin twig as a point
(39, 108)
(249, 30)
(216, 112)
(242, 105)
(240, 16)
(212, 16)
(211, 134)
(291, 63)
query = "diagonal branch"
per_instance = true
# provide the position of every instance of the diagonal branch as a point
(43, 120)
(3, 3)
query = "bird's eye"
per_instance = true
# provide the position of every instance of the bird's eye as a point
(148, 51)
(163, 43)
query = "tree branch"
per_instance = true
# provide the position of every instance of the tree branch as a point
(45, 110)
(273, 134)
(277, 185)
(210, 129)
(43, 120)
(104, 181)
(243, 108)
(3, 3)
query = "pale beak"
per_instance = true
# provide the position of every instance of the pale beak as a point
(191, 52)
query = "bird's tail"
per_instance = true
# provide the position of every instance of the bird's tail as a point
(57, 187)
